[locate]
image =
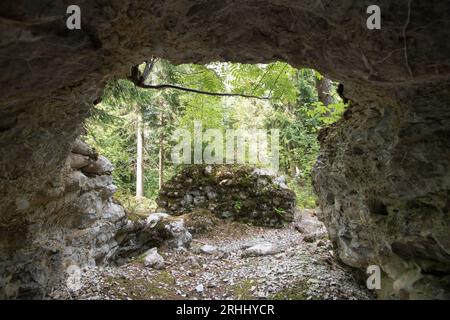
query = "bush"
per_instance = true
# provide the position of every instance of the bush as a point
(132, 206)
(305, 196)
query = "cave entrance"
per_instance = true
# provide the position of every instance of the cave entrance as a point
(227, 149)
(167, 116)
(383, 167)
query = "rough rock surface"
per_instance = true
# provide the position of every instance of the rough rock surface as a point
(300, 270)
(308, 225)
(233, 192)
(389, 153)
(155, 230)
(93, 231)
(383, 182)
(82, 232)
(200, 221)
(153, 259)
(261, 249)
(208, 249)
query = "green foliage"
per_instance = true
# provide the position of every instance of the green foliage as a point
(210, 115)
(109, 133)
(293, 108)
(327, 114)
(276, 80)
(280, 211)
(238, 205)
(305, 196)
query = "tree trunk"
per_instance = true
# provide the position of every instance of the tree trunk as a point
(324, 87)
(161, 152)
(139, 158)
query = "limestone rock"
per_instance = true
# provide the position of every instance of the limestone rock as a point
(208, 249)
(155, 230)
(379, 203)
(82, 148)
(153, 259)
(181, 237)
(199, 288)
(154, 218)
(308, 224)
(99, 166)
(262, 249)
(78, 161)
(382, 177)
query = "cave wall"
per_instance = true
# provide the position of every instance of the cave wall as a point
(383, 182)
(390, 155)
(81, 230)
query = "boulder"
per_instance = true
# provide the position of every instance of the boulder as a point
(158, 229)
(307, 223)
(153, 259)
(261, 249)
(208, 249)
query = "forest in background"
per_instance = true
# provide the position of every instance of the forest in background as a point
(133, 125)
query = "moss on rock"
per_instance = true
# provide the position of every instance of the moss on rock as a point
(237, 192)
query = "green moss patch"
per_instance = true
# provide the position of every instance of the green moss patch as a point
(143, 289)
(243, 290)
(298, 291)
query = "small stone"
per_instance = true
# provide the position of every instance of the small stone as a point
(208, 249)
(208, 170)
(153, 259)
(226, 214)
(199, 288)
(261, 249)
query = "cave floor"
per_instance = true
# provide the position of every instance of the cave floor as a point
(303, 267)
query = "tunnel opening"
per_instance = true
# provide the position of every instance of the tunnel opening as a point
(229, 200)
(236, 99)
(397, 78)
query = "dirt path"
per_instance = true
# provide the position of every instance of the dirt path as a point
(298, 266)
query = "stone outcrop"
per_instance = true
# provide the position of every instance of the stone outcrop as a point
(383, 174)
(155, 230)
(241, 193)
(82, 232)
(383, 182)
(94, 230)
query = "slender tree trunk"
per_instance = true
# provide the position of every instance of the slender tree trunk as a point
(324, 87)
(161, 152)
(139, 158)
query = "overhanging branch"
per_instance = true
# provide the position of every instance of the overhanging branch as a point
(136, 78)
